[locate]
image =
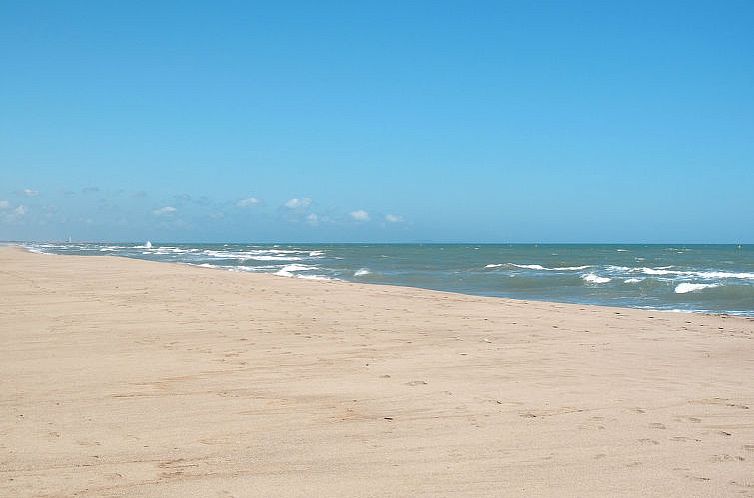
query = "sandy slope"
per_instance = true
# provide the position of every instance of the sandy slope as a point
(122, 377)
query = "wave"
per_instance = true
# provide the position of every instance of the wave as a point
(35, 250)
(663, 270)
(163, 251)
(287, 270)
(259, 255)
(297, 267)
(595, 279)
(315, 277)
(528, 267)
(205, 265)
(724, 274)
(361, 272)
(686, 287)
(632, 280)
(111, 248)
(539, 267)
(274, 258)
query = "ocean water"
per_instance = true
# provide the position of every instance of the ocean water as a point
(702, 278)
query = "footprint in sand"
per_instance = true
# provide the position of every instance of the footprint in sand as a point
(416, 383)
(742, 484)
(726, 458)
(684, 438)
(698, 478)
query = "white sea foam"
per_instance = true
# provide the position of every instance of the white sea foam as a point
(492, 265)
(663, 270)
(275, 258)
(725, 274)
(314, 277)
(613, 268)
(287, 270)
(543, 268)
(657, 271)
(259, 255)
(621, 250)
(632, 280)
(297, 267)
(163, 251)
(528, 267)
(263, 268)
(361, 272)
(686, 287)
(595, 279)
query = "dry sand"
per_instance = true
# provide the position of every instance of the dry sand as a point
(130, 378)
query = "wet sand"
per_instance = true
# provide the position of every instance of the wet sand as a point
(131, 378)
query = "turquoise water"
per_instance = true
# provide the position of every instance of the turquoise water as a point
(704, 278)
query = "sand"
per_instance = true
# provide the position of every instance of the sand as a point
(132, 378)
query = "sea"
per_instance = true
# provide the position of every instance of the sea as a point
(715, 279)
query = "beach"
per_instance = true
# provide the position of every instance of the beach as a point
(135, 378)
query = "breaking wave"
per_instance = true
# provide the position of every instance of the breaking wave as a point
(686, 287)
(595, 279)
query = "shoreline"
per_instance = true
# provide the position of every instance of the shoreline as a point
(744, 315)
(131, 377)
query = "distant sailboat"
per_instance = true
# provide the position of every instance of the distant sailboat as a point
(147, 245)
(69, 239)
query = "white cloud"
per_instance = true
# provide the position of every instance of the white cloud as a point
(393, 218)
(30, 193)
(297, 203)
(359, 215)
(312, 219)
(14, 215)
(248, 202)
(164, 211)
(4, 204)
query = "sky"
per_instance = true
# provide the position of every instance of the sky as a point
(239, 121)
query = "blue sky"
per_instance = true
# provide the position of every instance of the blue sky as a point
(377, 121)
